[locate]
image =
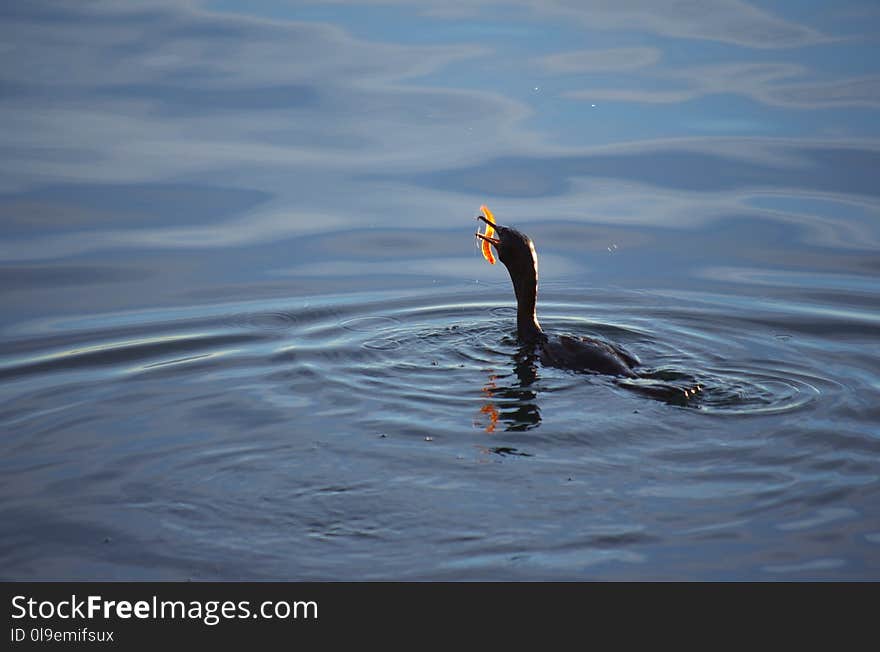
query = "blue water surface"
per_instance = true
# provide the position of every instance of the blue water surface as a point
(247, 333)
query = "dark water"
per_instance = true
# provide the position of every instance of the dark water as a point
(246, 332)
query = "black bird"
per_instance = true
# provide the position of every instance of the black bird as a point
(517, 251)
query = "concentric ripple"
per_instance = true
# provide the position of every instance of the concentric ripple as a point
(269, 320)
(747, 391)
(454, 359)
(435, 358)
(340, 416)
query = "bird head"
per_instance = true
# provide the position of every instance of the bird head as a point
(514, 248)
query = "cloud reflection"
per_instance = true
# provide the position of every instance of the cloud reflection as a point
(318, 130)
(830, 167)
(117, 93)
(610, 60)
(728, 21)
(768, 83)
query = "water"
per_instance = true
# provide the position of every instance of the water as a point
(247, 333)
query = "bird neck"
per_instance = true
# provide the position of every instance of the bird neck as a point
(525, 287)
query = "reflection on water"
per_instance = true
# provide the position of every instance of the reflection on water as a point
(513, 392)
(246, 332)
(294, 406)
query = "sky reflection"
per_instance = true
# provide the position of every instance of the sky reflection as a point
(181, 125)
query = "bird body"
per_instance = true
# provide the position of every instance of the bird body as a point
(587, 354)
(517, 251)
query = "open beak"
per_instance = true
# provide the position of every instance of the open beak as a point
(494, 241)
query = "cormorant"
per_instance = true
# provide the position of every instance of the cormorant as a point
(516, 250)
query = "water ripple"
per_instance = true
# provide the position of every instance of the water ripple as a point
(119, 354)
(376, 386)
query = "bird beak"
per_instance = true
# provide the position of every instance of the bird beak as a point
(494, 241)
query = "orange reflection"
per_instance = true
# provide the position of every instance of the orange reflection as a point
(492, 411)
(489, 408)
